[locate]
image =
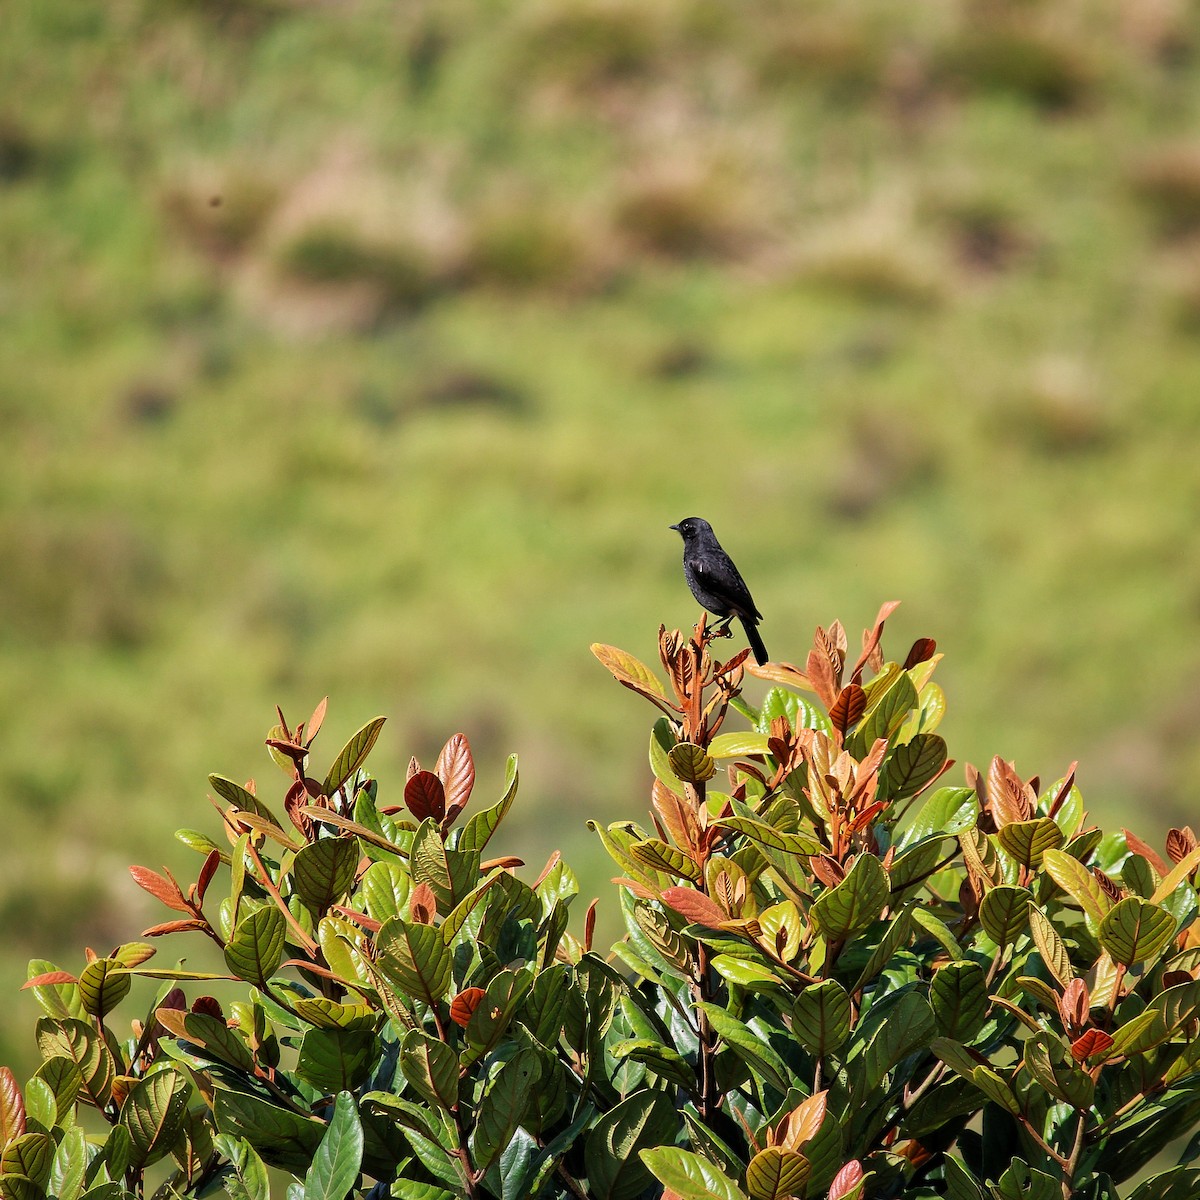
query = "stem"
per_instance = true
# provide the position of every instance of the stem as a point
(1068, 1186)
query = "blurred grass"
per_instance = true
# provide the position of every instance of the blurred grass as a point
(370, 349)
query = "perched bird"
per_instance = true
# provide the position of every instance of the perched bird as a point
(716, 582)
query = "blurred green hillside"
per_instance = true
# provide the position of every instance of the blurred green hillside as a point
(370, 348)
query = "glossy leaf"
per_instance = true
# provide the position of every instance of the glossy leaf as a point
(503, 1107)
(958, 997)
(246, 1177)
(743, 744)
(1136, 931)
(154, 1113)
(855, 902)
(774, 1174)
(338, 1156)
(611, 1152)
(257, 947)
(691, 764)
(689, 1176)
(333, 1060)
(324, 871)
(912, 765)
(799, 844)
(1028, 841)
(1004, 913)
(821, 1017)
(352, 755)
(1079, 883)
(1050, 946)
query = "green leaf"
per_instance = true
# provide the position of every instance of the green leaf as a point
(691, 763)
(745, 973)
(854, 903)
(774, 1174)
(949, 810)
(246, 1177)
(1179, 1183)
(504, 1106)
(1003, 913)
(103, 984)
(154, 1113)
(323, 871)
(256, 949)
(662, 739)
(958, 997)
(450, 873)
(1050, 946)
(690, 1176)
(479, 829)
(284, 1138)
(743, 744)
(821, 1017)
(353, 755)
(58, 1000)
(78, 1042)
(334, 1060)
(657, 855)
(614, 1169)
(70, 1164)
(431, 1067)
(664, 1061)
(329, 1014)
(1079, 883)
(888, 705)
(30, 1155)
(912, 765)
(238, 796)
(907, 1025)
(960, 1183)
(338, 1157)
(217, 1040)
(414, 959)
(756, 1053)
(767, 835)
(1136, 931)
(1028, 841)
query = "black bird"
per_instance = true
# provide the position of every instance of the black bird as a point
(716, 582)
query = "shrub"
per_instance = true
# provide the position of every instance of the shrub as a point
(840, 978)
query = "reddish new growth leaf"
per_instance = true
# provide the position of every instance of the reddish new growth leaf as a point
(49, 978)
(169, 927)
(1091, 1043)
(1009, 799)
(1151, 855)
(1111, 890)
(207, 871)
(422, 904)
(872, 639)
(464, 1005)
(12, 1108)
(315, 721)
(208, 1006)
(847, 710)
(425, 796)
(846, 1180)
(589, 925)
(923, 649)
(163, 888)
(695, 906)
(456, 769)
(1180, 843)
(1074, 1005)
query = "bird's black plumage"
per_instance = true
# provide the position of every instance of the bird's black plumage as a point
(716, 583)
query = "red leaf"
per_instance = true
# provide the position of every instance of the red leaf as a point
(695, 906)
(422, 904)
(923, 649)
(315, 721)
(846, 1180)
(464, 1005)
(207, 871)
(589, 925)
(1180, 843)
(456, 769)
(12, 1107)
(425, 796)
(1094, 1041)
(848, 708)
(820, 674)
(1008, 798)
(49, 979)
(210, 1006)
(1151, 855)
(168, 927)
(166, 890)
(871, 641)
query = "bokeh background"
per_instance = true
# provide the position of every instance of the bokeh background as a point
(370, 348)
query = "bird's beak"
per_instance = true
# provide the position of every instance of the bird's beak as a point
(674, 527)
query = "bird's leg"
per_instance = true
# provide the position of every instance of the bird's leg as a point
(723, 631)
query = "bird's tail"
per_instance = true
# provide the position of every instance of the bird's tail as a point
(756, 643)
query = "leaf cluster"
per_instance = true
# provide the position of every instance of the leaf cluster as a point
(839, 977)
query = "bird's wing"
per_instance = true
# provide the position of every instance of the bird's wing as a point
(717, 574)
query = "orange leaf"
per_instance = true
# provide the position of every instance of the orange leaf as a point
(800, 1125)
(1151, 855)
(422, 904)
(848, 708)
(464, 1005)
(166, 890)
(456, 769)
(871, 641)
(50, 978)
(1093, 1042)
(695, 906)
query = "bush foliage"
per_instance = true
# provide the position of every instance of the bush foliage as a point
(840, 977)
